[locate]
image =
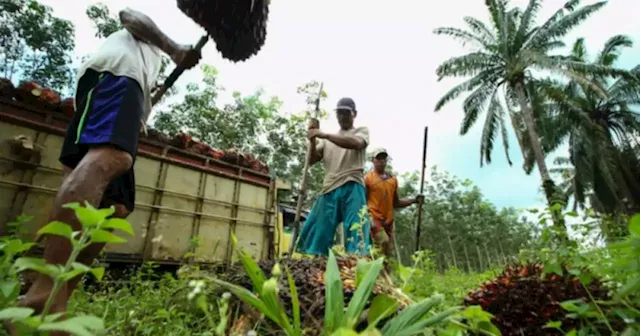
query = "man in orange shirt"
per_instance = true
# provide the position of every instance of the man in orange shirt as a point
(382, 199)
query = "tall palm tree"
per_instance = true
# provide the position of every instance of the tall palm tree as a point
(506, 52)
(598, 128)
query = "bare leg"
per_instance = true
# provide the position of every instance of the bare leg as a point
(86, 182)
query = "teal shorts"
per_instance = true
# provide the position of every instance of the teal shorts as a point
(346, 205)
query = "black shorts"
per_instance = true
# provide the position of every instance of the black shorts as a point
(108, 112)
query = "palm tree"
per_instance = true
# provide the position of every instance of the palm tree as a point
(598, 128)
(505, 54)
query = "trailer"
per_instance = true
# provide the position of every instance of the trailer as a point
(187, 205)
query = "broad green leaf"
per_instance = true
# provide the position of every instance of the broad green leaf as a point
(98, 272)
(634, 225)
(9, 287)
(410, 316)
(572, 214)
(71, 274)
(88, 216)
(553, 324)
(250, 267)
(334, 295)
(118, 224)
(36, 264)
(382, 307)
(56, 228)
(107, 212)
(552, 267)
(361, 296)
(631, 286)
(102, 236)
(15, 313)
(295, 302)
(362, 268)
(80, 266)
(418, 326)
(79, 326)
(15, 246)
(489, 328)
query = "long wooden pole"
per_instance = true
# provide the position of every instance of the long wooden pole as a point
(168, 83)
(424, 165)
(303, 185)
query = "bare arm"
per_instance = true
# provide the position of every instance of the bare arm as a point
(144, 29)
(316, 156)
(346, 141)
(402, 203)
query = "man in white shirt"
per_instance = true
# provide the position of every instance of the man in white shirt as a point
(343, 196)
(113, 99)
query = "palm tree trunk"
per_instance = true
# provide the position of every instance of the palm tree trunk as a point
(548, 185)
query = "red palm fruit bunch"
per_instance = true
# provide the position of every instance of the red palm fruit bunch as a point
(49, 99)
(523, 301)
(182, 140)
(7, 90)
(28, 92)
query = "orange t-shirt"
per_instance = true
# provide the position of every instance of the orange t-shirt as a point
(380, 195)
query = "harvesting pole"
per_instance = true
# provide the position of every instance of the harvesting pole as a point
(303, 184)
(424, 165)
(168, 83)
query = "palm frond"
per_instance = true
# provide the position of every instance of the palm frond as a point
(462, 36)
(527, 21)
(560, 25)
(475, 104)
(486, 76)
(612, 48)
(466, 65)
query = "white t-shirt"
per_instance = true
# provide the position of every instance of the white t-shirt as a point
(123, 55)
(342, 165)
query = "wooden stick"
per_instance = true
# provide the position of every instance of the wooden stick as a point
(168, 83)
(424, 165)
(303, 184)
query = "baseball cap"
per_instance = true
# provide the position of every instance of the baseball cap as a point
(346, 104)
(379, 151)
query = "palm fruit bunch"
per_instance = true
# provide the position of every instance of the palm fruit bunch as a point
(308, 276)
(523, 301)
(34, 94)
(7, 90)
(239, 27)
(28, 92)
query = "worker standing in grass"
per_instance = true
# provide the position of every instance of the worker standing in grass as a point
(382, 199)
(113, 98)
(343, 193)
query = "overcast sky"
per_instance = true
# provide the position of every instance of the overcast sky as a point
(382, 54)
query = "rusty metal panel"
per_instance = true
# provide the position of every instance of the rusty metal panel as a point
(252, 238)
(213, 233)
(44, 180)
(172, 232)
(8, 171)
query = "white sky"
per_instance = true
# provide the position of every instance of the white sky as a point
(384, 56)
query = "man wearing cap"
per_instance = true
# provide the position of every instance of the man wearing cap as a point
(382, 199)
(343, 195)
